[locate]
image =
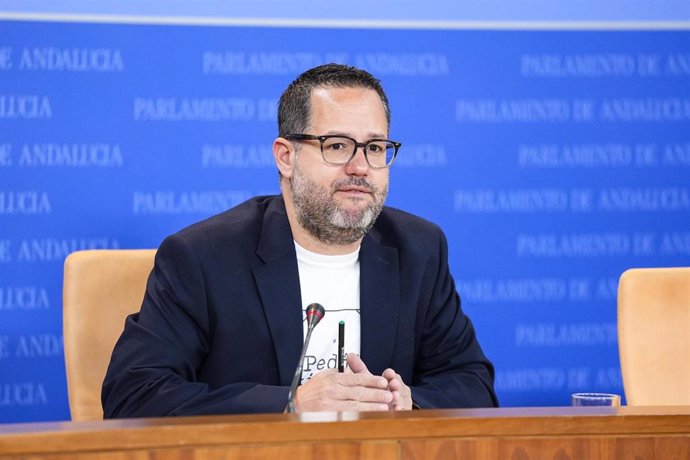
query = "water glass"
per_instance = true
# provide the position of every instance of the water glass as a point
(596, 399)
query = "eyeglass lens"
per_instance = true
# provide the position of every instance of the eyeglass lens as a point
(339, 150)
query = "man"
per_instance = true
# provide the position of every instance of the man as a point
(221, 326)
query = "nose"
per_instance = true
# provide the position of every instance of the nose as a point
(358, 165)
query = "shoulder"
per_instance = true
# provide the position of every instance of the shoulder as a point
(244, 220)
(398, 222)
(398, 228)
(230, 238)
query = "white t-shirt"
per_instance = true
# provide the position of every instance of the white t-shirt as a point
(333, 282)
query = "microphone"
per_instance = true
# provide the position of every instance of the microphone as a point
(315, 313)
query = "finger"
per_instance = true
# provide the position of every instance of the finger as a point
(361, 393)
(390, 374)
(358, 406)
(366, 403)
(355, 363)
(363, 407)
(332, 379)
(368, 395)
(361, 380)
(396, 400)
(395, 385)
(395, 381)
(402, 395)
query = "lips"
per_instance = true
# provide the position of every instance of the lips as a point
(351, 188)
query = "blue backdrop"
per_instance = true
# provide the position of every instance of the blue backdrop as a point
(554, 160)
(407, 11)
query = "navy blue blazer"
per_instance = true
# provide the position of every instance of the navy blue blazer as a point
(220, 327)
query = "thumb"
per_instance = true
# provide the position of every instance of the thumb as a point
(356, 365)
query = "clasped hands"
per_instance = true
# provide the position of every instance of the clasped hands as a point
(356, 389)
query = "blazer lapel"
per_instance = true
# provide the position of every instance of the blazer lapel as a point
(278, 285)
(379, 302)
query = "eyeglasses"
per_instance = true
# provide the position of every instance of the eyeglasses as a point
(340, 150)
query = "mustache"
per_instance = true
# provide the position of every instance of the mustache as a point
(354, 182)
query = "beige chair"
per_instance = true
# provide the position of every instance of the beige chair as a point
(101, 287)
(654, 335)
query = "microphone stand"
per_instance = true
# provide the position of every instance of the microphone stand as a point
(314, 314)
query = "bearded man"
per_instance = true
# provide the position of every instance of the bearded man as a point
(223, 318)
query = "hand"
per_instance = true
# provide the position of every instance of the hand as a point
(402, 395)
(344, 391)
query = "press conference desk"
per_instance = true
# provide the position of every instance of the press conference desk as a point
(512, 433)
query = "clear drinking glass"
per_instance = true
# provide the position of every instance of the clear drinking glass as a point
(596, 399)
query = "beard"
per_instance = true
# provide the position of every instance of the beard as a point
(320, 214)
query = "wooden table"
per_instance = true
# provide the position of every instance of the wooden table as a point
(511, 433)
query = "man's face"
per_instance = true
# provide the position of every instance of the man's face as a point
(338, 204)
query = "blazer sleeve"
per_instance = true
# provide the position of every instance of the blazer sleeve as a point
(155, 364)
(451, 369)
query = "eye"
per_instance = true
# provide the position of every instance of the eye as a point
(375, 147)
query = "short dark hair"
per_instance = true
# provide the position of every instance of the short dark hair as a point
(294, 108)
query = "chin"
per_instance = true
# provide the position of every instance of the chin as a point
(354, 210)
(361, 200)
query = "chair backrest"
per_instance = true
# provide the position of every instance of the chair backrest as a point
(654, 335)
(101, 287)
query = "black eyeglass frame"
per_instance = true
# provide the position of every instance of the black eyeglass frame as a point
(358, 145)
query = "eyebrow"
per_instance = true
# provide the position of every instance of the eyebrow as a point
(370, 136)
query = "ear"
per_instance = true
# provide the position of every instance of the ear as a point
(284, 155)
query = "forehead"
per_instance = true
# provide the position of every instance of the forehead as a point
(347, 110)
